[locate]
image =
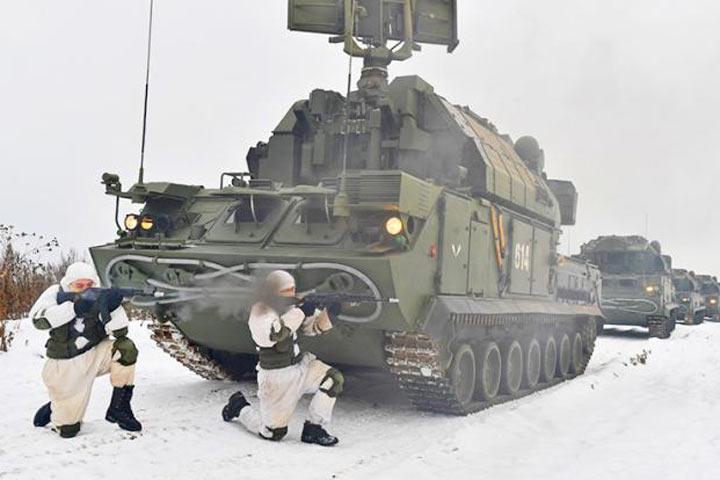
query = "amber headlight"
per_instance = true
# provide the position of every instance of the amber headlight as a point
(147, 223)
(651, 289)
(131, 222)
(394, 226)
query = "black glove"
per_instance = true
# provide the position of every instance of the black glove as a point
(113, 299)
(108, 302)
(308, 307)
(85, 302)
(63, 297)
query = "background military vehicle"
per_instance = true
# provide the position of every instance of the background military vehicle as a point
(710, 291)
(688, 296)
(637, 283)
(391, 191)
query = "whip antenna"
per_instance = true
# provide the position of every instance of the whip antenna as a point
(342, 200)
(141, 173)
(347, 96)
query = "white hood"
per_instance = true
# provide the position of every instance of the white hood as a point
(78, 271)
(278, 281)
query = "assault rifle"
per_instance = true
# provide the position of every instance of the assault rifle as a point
(333, 301)
(99, 298)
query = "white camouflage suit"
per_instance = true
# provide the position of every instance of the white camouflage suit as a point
(69, 381)
(279, 390)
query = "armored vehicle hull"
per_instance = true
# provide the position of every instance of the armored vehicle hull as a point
(710, 291)
(637, 284)
(452, 294)
(688, 297)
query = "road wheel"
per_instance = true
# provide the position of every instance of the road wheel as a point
(564, 357)
(549, 359)
(533, 363)
(589, 335)
(489, 368)
(463, 373)
(577, 361)
(512, 368)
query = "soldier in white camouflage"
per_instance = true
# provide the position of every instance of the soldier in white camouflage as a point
(80, 349)
(285, 373)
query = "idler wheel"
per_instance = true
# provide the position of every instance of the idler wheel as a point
(489, 371)
(533, 363)
(549, 359)
(578, 355)
(512, 371)
(463, 373)
(565, 356)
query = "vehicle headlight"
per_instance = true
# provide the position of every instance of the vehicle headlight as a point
(685, 299)
(652, 289)
(131, 222)
(394, 226)
(147, 223)
(713, 301)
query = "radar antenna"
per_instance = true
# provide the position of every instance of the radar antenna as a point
(375, 22)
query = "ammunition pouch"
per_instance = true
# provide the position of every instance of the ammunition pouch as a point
(271, 359)
(280, 355)
(62, 342)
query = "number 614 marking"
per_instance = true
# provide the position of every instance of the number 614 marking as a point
(522, 256)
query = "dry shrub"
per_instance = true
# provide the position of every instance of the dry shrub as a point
(24, 275)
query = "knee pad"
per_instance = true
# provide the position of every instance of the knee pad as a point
(332, 383)
(69, 431)
(276, 434)
(128, 351)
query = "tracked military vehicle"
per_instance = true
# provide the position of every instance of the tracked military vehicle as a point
(637, 283)
(391, 191)
(710, 290)
(688, 296)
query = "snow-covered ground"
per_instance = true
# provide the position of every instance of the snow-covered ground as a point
(658, 420)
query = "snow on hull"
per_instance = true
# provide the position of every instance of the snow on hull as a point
(618, 421)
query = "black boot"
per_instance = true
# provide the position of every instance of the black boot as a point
(313, 433)
(42, 416)
(120, 411)
(235, 404)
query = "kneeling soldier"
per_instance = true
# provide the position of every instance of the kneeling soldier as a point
(284, 373)
(79, 350)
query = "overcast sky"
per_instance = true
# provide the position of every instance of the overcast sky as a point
(623, 95)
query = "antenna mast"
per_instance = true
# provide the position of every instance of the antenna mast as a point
(141, 173)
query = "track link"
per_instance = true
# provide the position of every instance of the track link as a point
(174, 343)
(414, 360)
(660, 327)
